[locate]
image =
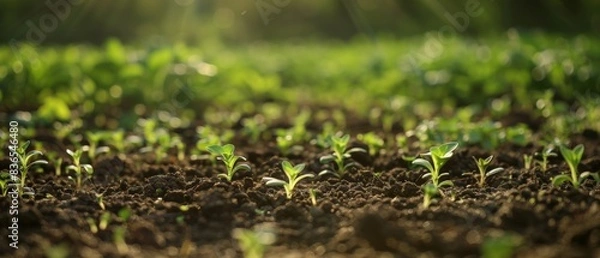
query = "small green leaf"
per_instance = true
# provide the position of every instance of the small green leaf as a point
(327, 172)
(215, 149)
(326, 159)
(494, 171)
(488, 160)
(228, 149)
(446, 183)
(300, 167)
(356, 149)
(304, 176)
(424, 163)
(241, 167)
(274, 181)
(560, 179)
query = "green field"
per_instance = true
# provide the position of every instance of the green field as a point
(123, 148)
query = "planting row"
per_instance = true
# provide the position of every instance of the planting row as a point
(337, 163)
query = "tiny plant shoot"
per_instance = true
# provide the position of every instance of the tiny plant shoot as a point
(79, 169)
(254, 243)
(26, 161)
(439, 155)
(4, 179)
(339, 155)
(312, 193)
(546, 153)
(482, 165)
(372, 140)
(430, 191)
(293, 175)
(225, 154)
(527, 161)
(573, 157)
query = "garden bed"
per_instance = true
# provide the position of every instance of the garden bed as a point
(181, 208)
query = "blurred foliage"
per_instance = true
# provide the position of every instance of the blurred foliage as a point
(195, 21)
(514, 71)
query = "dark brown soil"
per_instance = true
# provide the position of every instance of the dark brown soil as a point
(360, 215)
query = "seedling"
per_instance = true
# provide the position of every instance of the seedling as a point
(439, 155)
(372, 140)
(104, 220)
(207, 136)
(293, 175)
(323, 139)
(254, 127)
(502, 246)
(254, 242)
(226, 155)
(313, 196)
(79, 169)
(56, 161)
(61, 131)
(339, 156)
(102, 224)
(430, 191)
(4, 179)
(94, 139)
(287, 144)
(482, 165)
(161, 149)
(289, 140)
(545, 154)
(573, 157)
(26, 161)
(527, 161)
(100, 200)
(118, 140)
(179, 146)
(119, 239)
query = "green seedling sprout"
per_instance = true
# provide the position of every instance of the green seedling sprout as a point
(287, 141)
(439, 155)
(430, 191)
(527, 161)
(119, 239)
(92, 223)
(180, 146)
(339, 156)
(503, 246)
(545, 154)
(104, 220)
(25, 161)
(482, 165)
(312, 193)
(573, 157)
(118, 140)
(100, 200)
(226, 155)
(102, 224)
(253, 243)
(293, 175)
(207, 136)
(94, 139)
(79, 169)
(4, 179)
(56, 161)
(323, 139)
(254, 127)
(372, 140)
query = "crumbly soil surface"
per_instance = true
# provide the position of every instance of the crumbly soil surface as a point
(362, 214)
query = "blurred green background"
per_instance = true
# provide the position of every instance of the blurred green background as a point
(116, 60)
(194, 21)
